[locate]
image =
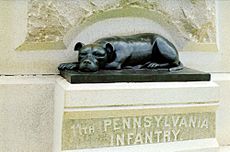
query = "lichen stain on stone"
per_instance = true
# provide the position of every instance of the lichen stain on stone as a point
(50, 20)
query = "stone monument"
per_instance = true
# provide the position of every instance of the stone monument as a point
(173, 109)
(147, 116)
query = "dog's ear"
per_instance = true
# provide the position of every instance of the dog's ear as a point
(78, 46)
(110, 51)
(109, 48)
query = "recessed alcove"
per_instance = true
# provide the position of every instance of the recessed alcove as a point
(43, 49)
(119, 27)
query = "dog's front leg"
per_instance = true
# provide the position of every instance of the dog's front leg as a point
(113, 66)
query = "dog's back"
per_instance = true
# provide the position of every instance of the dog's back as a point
(137, 49)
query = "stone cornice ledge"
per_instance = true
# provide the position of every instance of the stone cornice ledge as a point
(30, 46)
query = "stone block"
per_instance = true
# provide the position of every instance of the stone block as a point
(135, 116)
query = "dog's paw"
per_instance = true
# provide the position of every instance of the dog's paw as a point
(67, 66)
(153, 65)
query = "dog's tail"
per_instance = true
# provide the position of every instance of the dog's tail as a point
(180, 66)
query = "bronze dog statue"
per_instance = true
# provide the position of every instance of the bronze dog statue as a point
(139, 51)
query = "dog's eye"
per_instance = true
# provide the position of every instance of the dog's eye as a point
(83, 54)
(98, 54)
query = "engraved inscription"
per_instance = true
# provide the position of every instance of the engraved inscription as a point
(136, 130)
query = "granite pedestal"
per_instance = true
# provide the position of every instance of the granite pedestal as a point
(135, 117)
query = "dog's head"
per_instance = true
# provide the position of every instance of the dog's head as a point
(93, 57)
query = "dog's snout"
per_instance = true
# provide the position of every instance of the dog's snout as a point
(87, 62)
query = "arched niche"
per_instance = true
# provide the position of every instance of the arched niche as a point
(124, 21)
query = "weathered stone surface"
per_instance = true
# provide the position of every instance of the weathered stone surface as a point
(49, 21)
(26, 105)
(135, 130)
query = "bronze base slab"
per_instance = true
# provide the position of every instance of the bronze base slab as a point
(131, 75)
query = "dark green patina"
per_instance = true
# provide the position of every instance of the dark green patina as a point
(130, 75)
